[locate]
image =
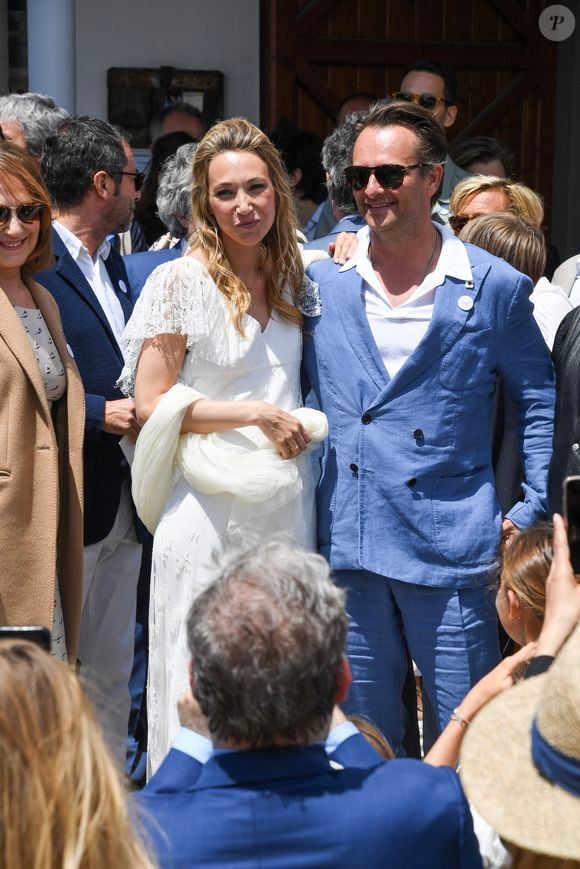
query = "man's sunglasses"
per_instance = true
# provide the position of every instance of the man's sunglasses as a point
(427, 101)
(389, 175)
(458, 221)
(138, 178)
(24, 213)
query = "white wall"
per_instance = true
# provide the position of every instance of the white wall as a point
(187, 34)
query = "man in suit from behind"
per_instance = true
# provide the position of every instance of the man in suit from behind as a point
(336, 156)
(267, 667)
(404, 359)
(90, 173)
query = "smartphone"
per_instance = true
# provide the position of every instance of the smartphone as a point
(33, 633)
(571, 502)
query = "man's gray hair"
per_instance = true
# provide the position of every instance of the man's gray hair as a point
(175, 188)
(336, 156)
(37, 114)
(267, 638)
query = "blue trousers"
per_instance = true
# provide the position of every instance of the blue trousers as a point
(451, 635)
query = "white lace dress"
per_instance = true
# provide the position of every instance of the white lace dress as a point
(180, 297)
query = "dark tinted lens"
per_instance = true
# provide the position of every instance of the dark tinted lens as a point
(458, 221)
(428, 101)
(357, 176)
(390, 176)
(139, 180)
(24, 213)
(29, 213)
(403, 95)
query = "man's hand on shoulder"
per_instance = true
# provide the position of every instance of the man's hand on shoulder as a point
(120, 418)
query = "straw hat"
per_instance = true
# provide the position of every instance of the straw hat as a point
(499, 773)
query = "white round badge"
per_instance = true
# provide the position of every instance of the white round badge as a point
(70, 353)
(465, 303)
(123, 287)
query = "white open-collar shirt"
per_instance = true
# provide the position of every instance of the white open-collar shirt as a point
(95, 271)
(397, 330)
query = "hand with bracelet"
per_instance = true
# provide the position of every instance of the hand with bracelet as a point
(445, 751)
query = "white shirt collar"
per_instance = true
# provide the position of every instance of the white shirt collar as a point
(75, 246)
(453, 260)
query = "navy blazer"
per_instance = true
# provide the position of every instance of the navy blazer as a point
(294, 808)
(100, 361)
(140, 265)
(407, 487)
(350, 223)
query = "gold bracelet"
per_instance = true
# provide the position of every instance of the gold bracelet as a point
(455, 716)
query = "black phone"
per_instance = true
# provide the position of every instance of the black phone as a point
(571, 502)
(33, 633)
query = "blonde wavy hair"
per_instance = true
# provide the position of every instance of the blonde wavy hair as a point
(522, 200)
(281, 256)
(517, 241)
(62, 803)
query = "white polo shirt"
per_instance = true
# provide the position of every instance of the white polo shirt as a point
(397, 330)
(95, 271)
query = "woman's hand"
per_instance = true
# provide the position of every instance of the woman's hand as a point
(344, 248)
(562, 596)
(283, 429)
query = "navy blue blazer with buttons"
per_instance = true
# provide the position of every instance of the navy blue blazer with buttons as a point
(407, 488)
(99, 360)
(296, 807)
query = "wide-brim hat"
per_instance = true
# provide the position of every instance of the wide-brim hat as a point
(539, 811)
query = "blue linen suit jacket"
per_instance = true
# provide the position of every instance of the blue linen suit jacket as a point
(140, 265)
(100, 361)
(294, 808)
(406, 485)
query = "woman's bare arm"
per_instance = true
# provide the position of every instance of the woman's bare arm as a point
(159, 365)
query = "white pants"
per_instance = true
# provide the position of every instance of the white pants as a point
(107, 636)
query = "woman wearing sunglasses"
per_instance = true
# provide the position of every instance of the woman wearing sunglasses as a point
(41, 423)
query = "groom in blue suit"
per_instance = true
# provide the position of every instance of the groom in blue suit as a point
(414, 332)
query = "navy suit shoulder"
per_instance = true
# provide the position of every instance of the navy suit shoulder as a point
(99, 360)
(140, 265)
(291, 807)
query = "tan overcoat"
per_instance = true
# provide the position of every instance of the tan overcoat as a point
(41, 497)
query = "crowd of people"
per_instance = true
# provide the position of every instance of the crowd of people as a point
(280, 437)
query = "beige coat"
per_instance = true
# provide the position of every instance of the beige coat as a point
(41, 526)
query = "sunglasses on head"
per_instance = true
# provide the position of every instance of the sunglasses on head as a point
(24, 213)
(389, 175)
(138, 178)
(427, 101)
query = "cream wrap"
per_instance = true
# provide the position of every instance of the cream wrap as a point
(210, 464)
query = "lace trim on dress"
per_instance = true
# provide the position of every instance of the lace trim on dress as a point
(173, 301)
(181, 298)
(309, 298)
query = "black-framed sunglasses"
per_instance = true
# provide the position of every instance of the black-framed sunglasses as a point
(24, 213)
(389, 175)
(427, 101)
(458, 221)
(138, 178)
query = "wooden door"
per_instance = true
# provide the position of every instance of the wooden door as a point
(317, 52)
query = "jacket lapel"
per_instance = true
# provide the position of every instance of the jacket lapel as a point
(16, 339)
(349, 302)
(120, 286)
(71, 273)
(454, 301)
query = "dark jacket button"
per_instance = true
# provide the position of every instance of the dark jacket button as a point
(366, 418)
(418, 434)
(353, 467)
(412, 482)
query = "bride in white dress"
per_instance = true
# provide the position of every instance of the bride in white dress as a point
(225, 320)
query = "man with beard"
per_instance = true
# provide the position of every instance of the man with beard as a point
(90, 172)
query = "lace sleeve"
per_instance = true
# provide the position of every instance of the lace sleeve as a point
(171, 302)
(309, 298)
